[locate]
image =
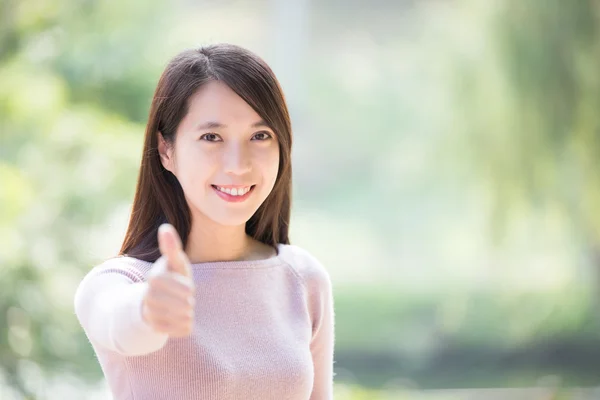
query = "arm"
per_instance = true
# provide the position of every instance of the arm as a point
(108, 305)
(322, 344)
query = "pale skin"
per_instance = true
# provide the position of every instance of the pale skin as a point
(221, 144)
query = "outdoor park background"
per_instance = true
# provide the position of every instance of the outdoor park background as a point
(446, 174)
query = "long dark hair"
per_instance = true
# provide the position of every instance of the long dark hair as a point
(158, 196)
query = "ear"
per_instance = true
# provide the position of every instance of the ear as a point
(165, 151)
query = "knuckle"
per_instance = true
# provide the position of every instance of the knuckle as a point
(155, 282)
(152, 301)
(186, 283)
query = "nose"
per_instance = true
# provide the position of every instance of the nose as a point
(236, 160)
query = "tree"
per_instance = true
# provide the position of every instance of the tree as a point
(67, 108)
(531, 106)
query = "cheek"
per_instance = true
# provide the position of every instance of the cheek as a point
(194, 171)
(270, 165)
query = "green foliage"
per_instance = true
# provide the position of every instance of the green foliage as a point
(529, 104)
(56, 134)
(384, 319)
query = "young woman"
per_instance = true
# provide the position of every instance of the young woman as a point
(207, 299)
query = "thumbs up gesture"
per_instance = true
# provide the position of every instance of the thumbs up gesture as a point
(168, 304)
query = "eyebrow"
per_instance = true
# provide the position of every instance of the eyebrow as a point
(215, 124)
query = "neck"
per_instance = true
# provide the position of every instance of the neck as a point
(210, 242)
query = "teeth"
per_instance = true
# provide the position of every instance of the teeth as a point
(234, 191)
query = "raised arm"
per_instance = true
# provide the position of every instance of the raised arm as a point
(108, 304)
(123, 312)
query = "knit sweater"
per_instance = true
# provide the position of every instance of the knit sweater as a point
(263, 330)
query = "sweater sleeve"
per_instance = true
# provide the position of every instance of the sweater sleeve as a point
(108, 305)
(322, 344)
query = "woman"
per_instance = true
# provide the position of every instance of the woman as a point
(207, 299)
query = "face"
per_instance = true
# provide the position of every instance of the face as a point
(225, 157)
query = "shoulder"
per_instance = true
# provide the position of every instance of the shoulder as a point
(134, 269)
(107, 276)
(306, 266)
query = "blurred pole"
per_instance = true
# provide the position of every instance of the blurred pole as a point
(290, 20)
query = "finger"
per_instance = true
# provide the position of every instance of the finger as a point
(169, 241)
(172, 328)
(172, 315)
(181, 333)
(173, 283)
(170, 246)
(171, 321)
(170, 301)
(180, 264)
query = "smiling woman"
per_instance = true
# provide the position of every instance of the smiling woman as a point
(210, 107)
(223, 142)
(207, 299)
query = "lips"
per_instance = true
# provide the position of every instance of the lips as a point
(233, 194)
(234, 191)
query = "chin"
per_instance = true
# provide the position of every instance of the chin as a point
(230, 222)
(227, 217)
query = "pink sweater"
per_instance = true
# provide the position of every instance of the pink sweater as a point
(263, 330)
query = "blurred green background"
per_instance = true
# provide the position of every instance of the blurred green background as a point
(446, 174)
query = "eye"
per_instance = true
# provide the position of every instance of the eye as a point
(262, 135)
(210, 137)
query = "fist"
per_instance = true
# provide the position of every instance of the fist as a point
(169, 303)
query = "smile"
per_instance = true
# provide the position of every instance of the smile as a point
(233, 194)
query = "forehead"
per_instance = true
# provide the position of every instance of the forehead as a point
(215, 101)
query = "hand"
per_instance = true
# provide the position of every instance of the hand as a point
(168, 304)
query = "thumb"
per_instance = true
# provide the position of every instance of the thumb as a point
(169, 244)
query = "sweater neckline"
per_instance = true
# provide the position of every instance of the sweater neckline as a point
(242, 264)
